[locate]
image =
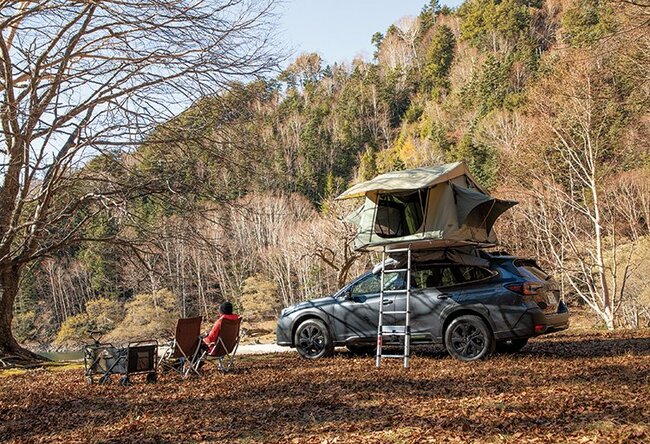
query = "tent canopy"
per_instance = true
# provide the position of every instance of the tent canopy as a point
(432, 207)
(408, 180)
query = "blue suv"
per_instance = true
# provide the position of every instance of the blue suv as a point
(472, 309)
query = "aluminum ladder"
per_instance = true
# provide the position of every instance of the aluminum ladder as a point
(384, 296)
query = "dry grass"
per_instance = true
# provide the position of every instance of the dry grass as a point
(586, 387)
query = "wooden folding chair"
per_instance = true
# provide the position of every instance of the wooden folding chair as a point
(225, 347)
(183, 353)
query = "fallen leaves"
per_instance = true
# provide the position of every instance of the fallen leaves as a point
(570, 388)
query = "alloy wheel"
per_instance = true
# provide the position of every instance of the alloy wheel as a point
(468, 340)
(312, 340)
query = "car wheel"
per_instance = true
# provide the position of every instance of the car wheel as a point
(312, 339)
(511, 345)
(362, 349)
(468, 338)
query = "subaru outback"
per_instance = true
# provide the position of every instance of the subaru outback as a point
(472, 310)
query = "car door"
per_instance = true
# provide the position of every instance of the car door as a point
(358, 310)
(458, 285)
(476, 286)
(436, 290)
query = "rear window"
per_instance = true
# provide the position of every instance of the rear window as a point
(530, 270)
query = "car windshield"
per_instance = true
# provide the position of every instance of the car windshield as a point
(530, 270)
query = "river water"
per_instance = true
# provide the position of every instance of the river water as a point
(64, 356)
(244, 349)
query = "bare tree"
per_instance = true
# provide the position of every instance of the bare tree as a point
(79, 78)
(409, 29)
(574, 213)
(398, 47)
(329, 239)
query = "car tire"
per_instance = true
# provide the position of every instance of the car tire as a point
(468, 338)
(312, 339)
(362, 349)
(511, 345)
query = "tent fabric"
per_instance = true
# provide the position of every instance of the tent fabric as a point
(405, 180)
(462, 256)
(477, 209)
(466, 256)
(424, 208)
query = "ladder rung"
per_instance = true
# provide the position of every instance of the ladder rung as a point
(394, 356)
(395, 333)
(395, 312)
(395, 270)
(398, 250)
(395, 291)
(394, 328)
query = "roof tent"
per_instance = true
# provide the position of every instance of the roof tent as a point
(430, 207)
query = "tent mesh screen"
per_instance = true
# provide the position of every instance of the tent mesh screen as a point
(399, 214)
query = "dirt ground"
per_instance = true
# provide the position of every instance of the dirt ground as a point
(580, 388)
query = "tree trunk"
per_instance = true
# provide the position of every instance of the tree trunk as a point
(608, 312)
(10, 350)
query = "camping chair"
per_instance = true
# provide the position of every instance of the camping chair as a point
(183, 353)
(225, 347)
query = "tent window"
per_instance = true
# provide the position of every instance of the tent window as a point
(400, 215)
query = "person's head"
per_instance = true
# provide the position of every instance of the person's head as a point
(225, 308)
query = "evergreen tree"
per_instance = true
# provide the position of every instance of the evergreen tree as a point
(438, 61)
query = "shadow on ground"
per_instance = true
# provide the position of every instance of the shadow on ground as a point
(592, 386)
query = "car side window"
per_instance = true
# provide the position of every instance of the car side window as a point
(429, 277)
(395, 281)
(449, 275)
(369, 284)
(471, 274)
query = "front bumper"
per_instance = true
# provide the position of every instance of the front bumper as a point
(283, 332)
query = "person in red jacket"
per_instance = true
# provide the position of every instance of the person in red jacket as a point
(225, 312)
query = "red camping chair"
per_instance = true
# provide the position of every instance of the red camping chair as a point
(183, 353)
(225, 347)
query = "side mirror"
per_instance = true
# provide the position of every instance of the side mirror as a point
(347, 294)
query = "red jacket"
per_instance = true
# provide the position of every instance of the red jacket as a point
(211, 338)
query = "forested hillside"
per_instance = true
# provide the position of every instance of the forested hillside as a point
(547, 101)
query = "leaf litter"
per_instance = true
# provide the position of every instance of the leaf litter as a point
(574, 388)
